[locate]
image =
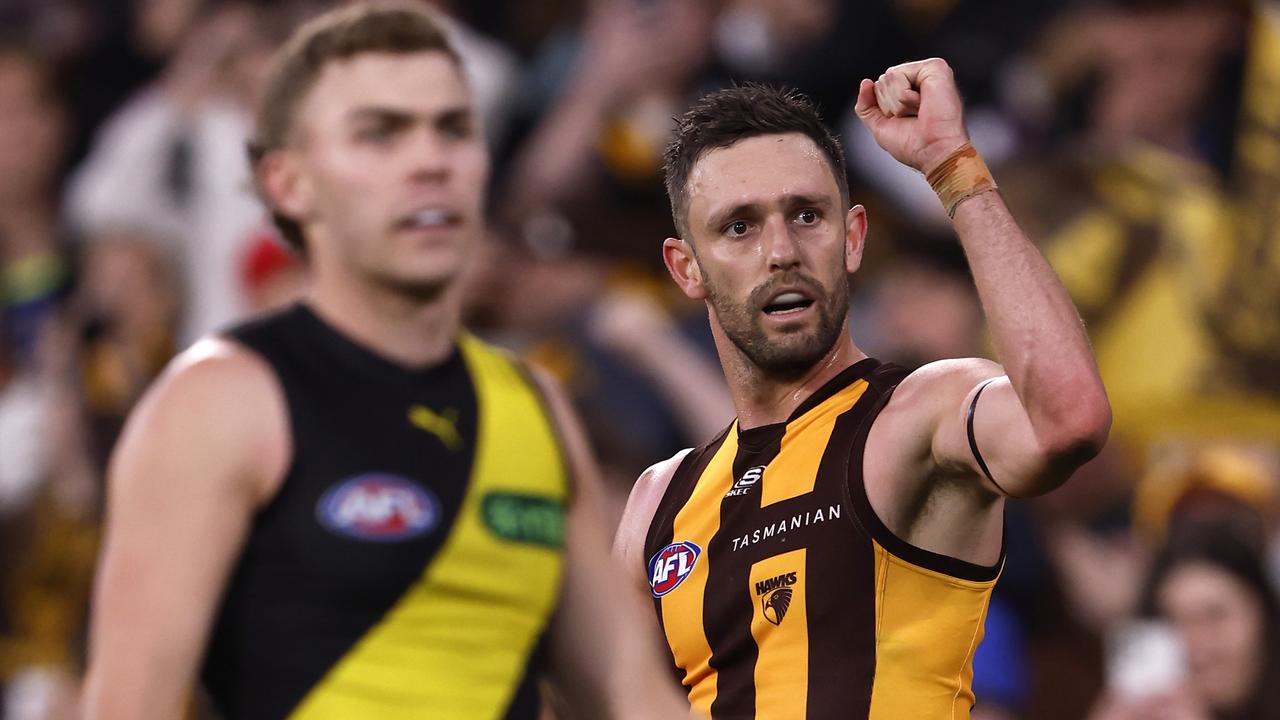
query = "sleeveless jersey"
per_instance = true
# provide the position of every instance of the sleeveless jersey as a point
(409, 564)
(782, 595)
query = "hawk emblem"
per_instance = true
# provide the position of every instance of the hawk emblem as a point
(775, 604)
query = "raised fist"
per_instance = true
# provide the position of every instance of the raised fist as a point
(914, 112)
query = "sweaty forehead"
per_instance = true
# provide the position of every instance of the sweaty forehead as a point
(421, 83)
(759, 169)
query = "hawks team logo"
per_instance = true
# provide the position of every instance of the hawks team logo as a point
(671, 565)
(379, 507)
(775, 604)
(775, 596)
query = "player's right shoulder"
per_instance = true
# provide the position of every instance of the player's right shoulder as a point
(643, 503)
(217, 376)
(654, 480)
(217, 405)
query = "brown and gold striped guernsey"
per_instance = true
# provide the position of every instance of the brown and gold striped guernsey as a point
(782, 595)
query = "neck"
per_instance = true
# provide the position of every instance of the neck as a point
(763, 399)
(411, 331)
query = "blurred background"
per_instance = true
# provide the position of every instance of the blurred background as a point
(1138, 142)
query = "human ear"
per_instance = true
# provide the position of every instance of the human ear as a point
(682, 263)
(284, 185)
(855, 237)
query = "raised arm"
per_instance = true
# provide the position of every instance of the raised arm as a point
(1024, 427)
(603, 661)
(199, 454)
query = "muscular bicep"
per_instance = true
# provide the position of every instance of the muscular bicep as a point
(182, 487)
(983, 431)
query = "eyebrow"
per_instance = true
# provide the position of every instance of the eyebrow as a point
(790, 201)
(399, 116)
(454, 115)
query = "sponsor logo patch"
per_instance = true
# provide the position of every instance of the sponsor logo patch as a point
(671, 565)
(748, 480)
(775, 596)
(525, 519)
(444, 425)
(378, 507)
(779, 530)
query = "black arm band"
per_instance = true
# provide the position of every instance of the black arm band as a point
(973, 441)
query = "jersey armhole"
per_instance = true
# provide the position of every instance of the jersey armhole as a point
(263, 355)
(865, 517)
(661, 530)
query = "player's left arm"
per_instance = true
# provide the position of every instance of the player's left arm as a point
(1025, 426)
(604, 659)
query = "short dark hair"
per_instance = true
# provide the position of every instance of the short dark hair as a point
(722, 118)
(367, 27)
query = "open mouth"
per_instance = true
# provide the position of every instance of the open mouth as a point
(430, 219)
(787, 303)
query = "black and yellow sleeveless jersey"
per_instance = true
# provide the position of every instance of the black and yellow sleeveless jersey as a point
(409, 564)
(782, 595)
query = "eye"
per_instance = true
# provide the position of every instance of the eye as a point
(457, 128)
(808, 216)
(378, 133)
(737, 228)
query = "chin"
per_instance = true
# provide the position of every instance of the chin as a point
(789, 358)
(798, 340)
(423, 284)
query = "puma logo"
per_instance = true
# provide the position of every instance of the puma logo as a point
(443, 425)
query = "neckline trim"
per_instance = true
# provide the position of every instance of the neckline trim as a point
(365, 357)
(843, 379)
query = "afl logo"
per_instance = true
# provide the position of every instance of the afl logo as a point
(671, 565)
(378, 507)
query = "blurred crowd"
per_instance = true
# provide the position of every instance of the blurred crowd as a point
(1138, 142)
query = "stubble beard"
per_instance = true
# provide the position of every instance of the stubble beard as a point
(785, 355)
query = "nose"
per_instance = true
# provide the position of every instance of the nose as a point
(781, 246)
(428, 157)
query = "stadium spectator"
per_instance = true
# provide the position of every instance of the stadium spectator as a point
(1209, 583)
